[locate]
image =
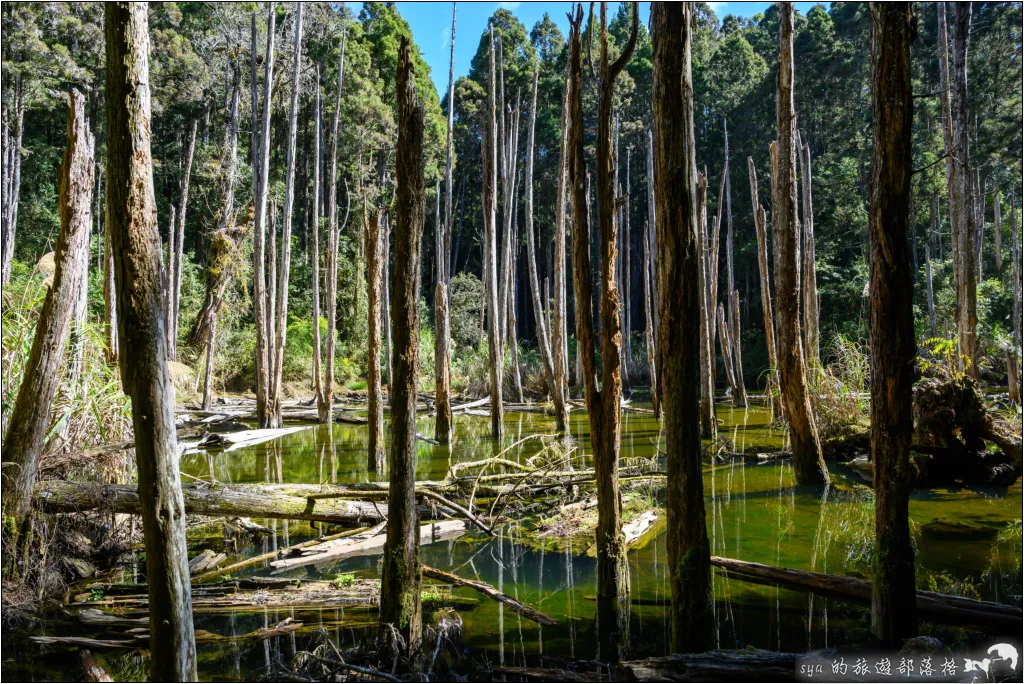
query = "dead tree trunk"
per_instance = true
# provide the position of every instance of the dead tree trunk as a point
(724, 345)
(211, 343)
(602, 403)
(131, 214)
(1012, 353)
(281, 332)
(325, 404)
(179, 246)
(30, 418)
(543, 341)
(261, 170)
(318, 375)
(373, 236)
(442, 320)
(739, 395)
(653, 275)
(760, 226)
(491, 267)
(691, 612)
(649, 332)
(400, 609)
(810, 272)
(627, 278)
(708, 421)
(997, 232)
(928, 266)
(224, 243)
(559, 336)
(513, 299)
(109, 297)
(807, 459)
(13, 166)
(893, 347)
(967, 285)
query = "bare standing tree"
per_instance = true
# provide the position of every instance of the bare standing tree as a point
(27, 424)
(131, 216)
(810, 272)
(495, 316)
(178, 247)
(559, 336)
(602, 402)
(760, 226)
(893, 346)
(442, 321)
(807, 459)
(708, 421)
(400, 610)
(691, 616)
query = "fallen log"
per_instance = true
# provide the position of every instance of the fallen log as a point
(367, 543)
(933, 605)
(249, 562)
(206, 560)
(93, 671)
(83, 642)
(490, 592)
(637, 529)
(717, 666)
(230, 441)
(237, 500)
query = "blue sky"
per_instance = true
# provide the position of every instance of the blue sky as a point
(431, 24)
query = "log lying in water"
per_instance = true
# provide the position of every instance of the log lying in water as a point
(237, 500)
(717, 666)
(941, 607)
(93, 671)
(490, 592)
(367, 543)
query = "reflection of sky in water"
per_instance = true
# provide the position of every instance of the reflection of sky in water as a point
(754, 513)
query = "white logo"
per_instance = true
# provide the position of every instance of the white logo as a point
(1004, 652)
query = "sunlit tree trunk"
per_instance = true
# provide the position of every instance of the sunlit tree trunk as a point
(653, 276)
(810, 273)
(281, 314)
(28, 421)
(400, 608)
(691, 618)
(1012, 353)
(260, 175)
(179, 246)
(893, 347)
(807, 459)
(997, 232)
(602, 403)
(494, 314)
(760, 227)
(13, 185)
(131, 216)
(739, 395)
(708, 422)
(933, 217)
(442, 321)
(373, 236)
(559, 336)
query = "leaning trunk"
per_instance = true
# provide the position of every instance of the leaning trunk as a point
(30, 418)
(131, 213)
(807, 459)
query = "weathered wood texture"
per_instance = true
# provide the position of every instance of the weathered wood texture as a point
(135, 243)
(495, 316)
(675, 178)
(28, 421)
(893, 346)
(807, 459)
(400, 579)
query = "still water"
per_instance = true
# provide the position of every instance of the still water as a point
(754, 511)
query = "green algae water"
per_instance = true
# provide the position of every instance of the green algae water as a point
(755, 512)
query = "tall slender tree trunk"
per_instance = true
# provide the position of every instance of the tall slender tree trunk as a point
(513, 298)
(400, 580)
(223, 244)
(691, 615)
(211, 343)
(131, 216)
(933, 217)
(708, 421)
(110, 339)
(997, 231)
(442, 321)
(893, 347)
(1013, 352)
(325, 408)
(373, 235)
(179, 246)
(494, 314)
(739, 395)
(602, 403)
(760, 226)
(653, 245)
(261, 170)
(10, 209)
(627, 278)
(807, 459)
(725, 346)
(559, 336)
(967, 285)
(649, 333)
(810, 273)
(318, 375)
(26, 431)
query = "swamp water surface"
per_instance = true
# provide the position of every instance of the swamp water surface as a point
(754, 511)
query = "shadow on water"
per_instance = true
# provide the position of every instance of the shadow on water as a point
(755, 512)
